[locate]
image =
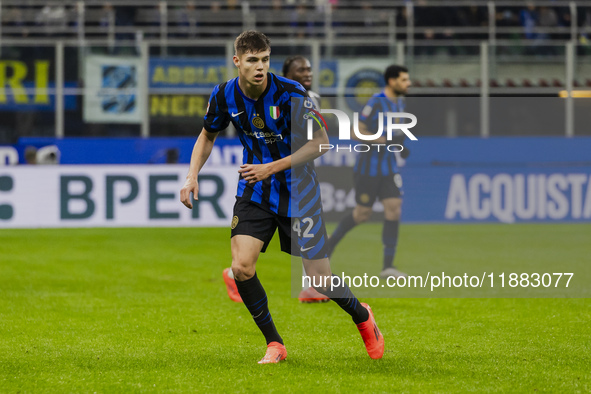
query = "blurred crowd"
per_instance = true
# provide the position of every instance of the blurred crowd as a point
(294, 18)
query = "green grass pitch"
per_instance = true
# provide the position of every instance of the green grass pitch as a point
(145, 310)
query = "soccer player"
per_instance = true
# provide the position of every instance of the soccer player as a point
(274, 187)
(297, 68)
(376, 172)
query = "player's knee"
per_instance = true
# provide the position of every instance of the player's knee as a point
(242, 270)
(361, 215)
(393, 214)
(393, 210)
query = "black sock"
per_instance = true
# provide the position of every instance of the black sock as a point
(346, 224)
(390, 240)
(344, 298)
(255, 299)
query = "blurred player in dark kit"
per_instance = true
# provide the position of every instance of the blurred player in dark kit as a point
(376, 173)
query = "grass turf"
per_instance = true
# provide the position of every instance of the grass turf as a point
(139, 310)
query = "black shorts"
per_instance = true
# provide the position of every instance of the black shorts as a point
(368, 188)
(304, 237)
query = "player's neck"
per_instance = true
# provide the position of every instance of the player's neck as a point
(252, 91)
(390, 93)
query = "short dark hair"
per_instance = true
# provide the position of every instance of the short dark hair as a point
(289, 61)
(394, 71)
(251, 41)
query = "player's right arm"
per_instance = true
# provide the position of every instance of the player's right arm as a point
(201, 152)
(214, 121)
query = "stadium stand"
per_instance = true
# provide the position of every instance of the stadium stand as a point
(441, 41)
(407, 20)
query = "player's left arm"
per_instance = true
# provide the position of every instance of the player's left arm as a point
(400, 140)
(309, 152)
(368, 118)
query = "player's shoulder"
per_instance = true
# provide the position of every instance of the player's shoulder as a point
(313, 95)
(379, 95)
(221, 95)
(225, 88)
(375, 99)
(288, 85)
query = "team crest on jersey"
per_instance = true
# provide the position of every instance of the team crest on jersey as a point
(274, 111)
(258, 122)
(234, 222)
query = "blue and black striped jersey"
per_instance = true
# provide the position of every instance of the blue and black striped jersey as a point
(265, 129)
(377, 162)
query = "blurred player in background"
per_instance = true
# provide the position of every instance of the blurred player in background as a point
(258, 104)
(376, 172)
(297, 68)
